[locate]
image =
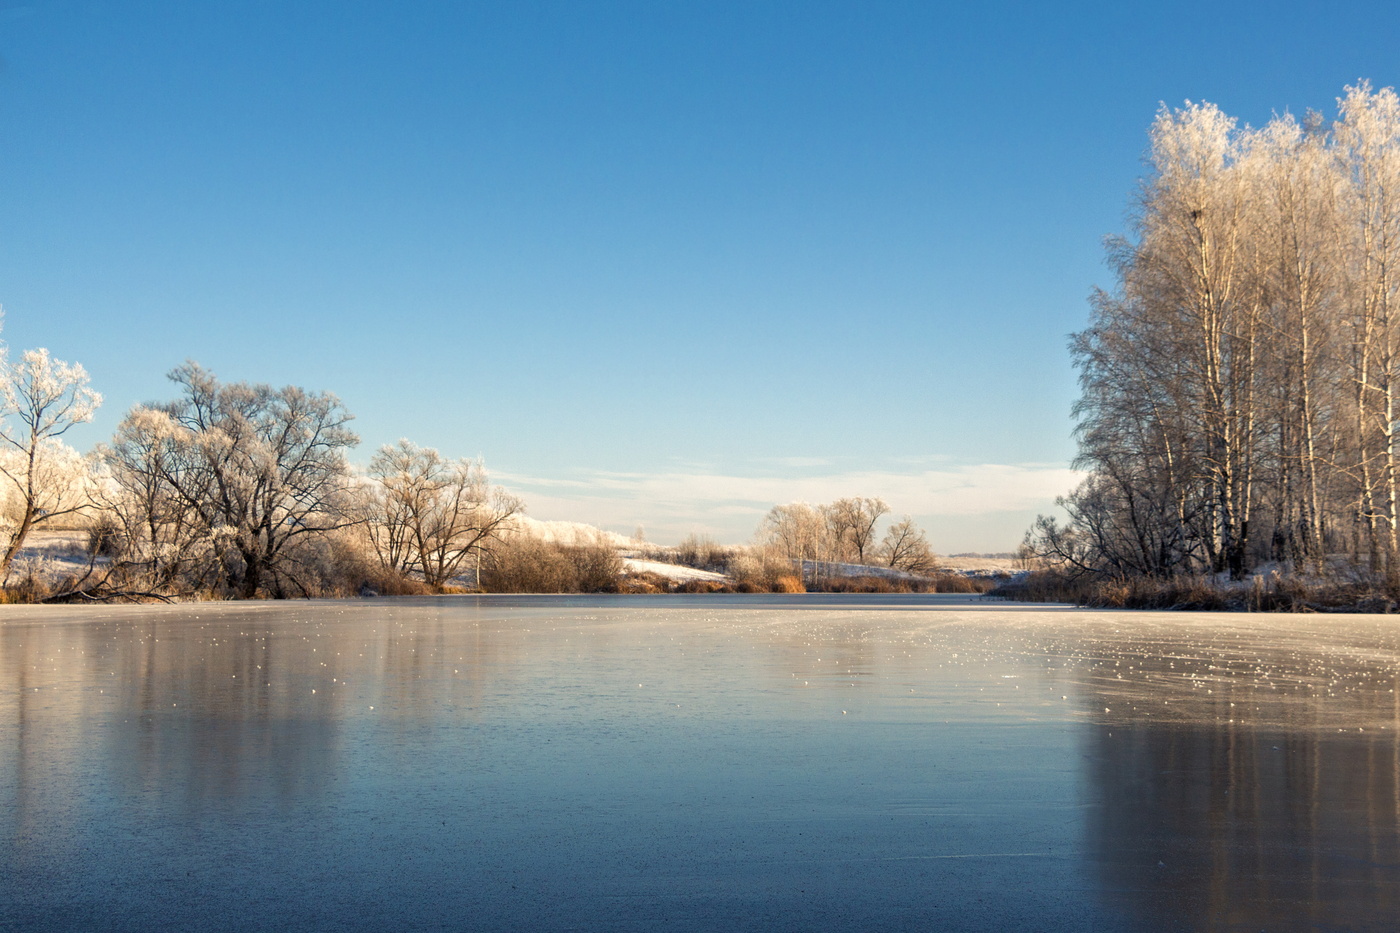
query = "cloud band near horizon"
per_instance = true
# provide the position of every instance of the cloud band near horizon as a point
(976, 507)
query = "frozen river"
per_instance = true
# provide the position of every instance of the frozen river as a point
(696, 763)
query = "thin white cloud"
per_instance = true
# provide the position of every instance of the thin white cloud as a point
(996, 496)
(800, 462)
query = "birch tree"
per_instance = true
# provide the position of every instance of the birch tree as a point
(1368, 151)
(1239, 383)
(1193, 260)
(1296, 216)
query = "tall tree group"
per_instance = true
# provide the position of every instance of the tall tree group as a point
(1240, 383)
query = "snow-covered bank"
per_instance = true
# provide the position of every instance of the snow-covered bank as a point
(676, 572)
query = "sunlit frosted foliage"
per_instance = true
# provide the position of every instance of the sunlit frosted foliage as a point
(41, 478)
(222, 485)
(1239, 383)
(427, 515)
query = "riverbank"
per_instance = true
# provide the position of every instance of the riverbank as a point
(1267, 592)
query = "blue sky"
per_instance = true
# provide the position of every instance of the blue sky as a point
(658, 263)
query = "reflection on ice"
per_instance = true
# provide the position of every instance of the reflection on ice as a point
(1251, 778)
(1230, 827)
(610, 763)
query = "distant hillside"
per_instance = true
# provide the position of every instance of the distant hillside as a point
(571, 532)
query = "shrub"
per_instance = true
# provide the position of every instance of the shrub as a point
(1274, 593)
(522, 563)
(704, 553)
(788, 583)
(526, 564)
(758, 569)
(597, 566)
(342, 564)
(105, 537)
(960, 583)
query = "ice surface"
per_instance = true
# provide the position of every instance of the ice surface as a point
(709, 762)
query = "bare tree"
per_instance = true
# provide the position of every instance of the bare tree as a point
(852, 523)
(906, 548)
(163, 541)
(250, 469)
(430, 514)
(703, 553)
(1295, 212)
(1368, 154)
(797, 531)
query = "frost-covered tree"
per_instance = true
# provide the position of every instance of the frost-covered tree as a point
(798, 531)
(429, 515)
(1295, 212)
(164, 541)
(1241, 383)
(843, 530)
(248, 469)
(852, 525)
(43, 478)
(1367, 152)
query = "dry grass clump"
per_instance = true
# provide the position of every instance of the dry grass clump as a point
(28, 588)
(865, 585)
(787, 583)
(703, 586)
(960, 583)
(938, 583)
(523, 563)
(762, 570)
(1271, 593)
(645, 584)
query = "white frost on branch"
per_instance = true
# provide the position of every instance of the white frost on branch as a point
(42, 477)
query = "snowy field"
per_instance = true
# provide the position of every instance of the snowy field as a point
(676, 572)
(979, 565)
(52, 555)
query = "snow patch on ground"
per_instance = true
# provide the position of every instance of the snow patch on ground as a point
(677, 572)
(978, 566)
(51, 555)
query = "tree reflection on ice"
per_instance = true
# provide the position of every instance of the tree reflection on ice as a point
(1251, 782)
